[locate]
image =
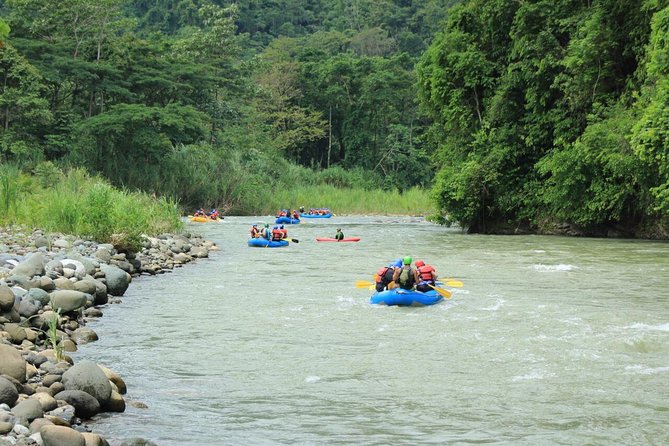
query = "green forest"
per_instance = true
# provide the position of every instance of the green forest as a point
(544, 116)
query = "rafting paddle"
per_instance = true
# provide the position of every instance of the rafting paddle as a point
(454, 283)
(363, 283)
(445, 293)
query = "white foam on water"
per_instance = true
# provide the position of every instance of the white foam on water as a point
(495, 306)
(554, 268)
(532, 376)
(646, 327)
(639, 369)
(312, 379)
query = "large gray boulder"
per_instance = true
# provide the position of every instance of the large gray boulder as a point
(85, 405)
(89, 377)
(117, 280)
(67, 300)
(12, 363)
(8, 392)
(33, 265)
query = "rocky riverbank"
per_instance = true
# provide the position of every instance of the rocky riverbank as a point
(51, 286)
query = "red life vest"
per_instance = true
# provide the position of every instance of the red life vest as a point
(385, 275)
(425, 273)
(276, 234)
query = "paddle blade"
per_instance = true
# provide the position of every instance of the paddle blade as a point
(444, 293)
(294, 240)
(455, 283)
(363, 284)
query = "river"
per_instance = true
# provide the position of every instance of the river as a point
(551, 341)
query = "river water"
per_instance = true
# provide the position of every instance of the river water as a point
(552, 341)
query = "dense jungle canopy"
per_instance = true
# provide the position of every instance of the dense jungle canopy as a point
(536, 115)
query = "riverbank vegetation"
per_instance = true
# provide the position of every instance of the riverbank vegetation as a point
(518, 116)
(552, 112)
(76, 203)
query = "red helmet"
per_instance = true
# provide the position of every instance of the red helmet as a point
(420, 263)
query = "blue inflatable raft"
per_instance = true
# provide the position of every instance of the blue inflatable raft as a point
(316, 215)
(405, 298)
(264, 243)
(286, 221)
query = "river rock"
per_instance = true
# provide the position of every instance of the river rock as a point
(29, 308)
(63, 283)
(16, 333)
(12, 363)
(33, 265)
(6, 298)
(39, 295)
(38, 423)
(87, 376)
(8, 392)
(93, 439)
(61, 243)
(199, 252)
(85, 286)
(46, 283)
(83, 335)
(116, 379)
(77, 268)
(61, 436)
(67, 300)
(47, 401)
(85, 405)
(28, 409)
(115, 403)
(117, 280)
(5, 428)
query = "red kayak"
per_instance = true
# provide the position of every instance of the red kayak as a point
(332, 239)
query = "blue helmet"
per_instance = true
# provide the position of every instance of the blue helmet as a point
(281, 227)
(396, 263)
(275, 227)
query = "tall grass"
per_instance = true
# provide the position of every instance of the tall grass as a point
(10, 186)
(351, 200)
(76, 203)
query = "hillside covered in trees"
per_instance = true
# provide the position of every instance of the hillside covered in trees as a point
(550, 113)
(521, 116)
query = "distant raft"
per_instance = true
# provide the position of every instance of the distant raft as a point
(287, 221)
(203, 219)
(264, 243)
(332, 239)
(327, 215)
(405, 298)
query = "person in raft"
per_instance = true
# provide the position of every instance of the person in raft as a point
(339, 235)
(254, 231)
(213, 214)
(264, 232)
(426, 276)
(284, 232)
(406, 276)
(276, 234)
(385, 275)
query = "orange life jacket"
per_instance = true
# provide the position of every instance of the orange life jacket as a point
(276, 234)
(425, 273)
